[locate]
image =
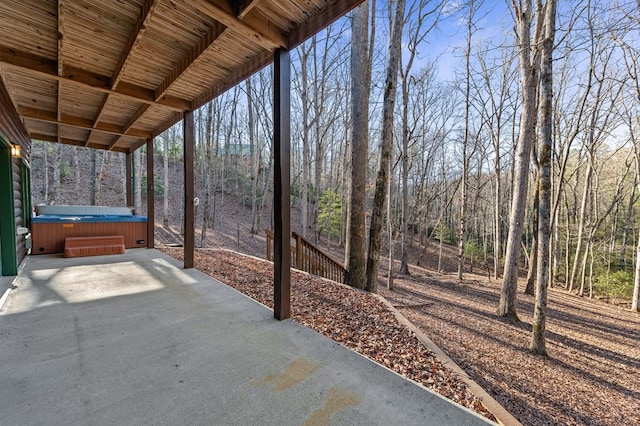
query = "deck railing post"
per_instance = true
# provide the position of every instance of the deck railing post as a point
(299, 261)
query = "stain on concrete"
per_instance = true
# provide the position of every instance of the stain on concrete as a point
(336, 400)
(294, 373)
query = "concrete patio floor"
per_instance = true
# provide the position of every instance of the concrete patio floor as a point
(135, 339)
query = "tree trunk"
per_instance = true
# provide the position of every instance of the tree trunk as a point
(165, 179)
(529, 79)
(45, 159)
(137, 191)
(306, 136)
(386, 149)
(533, 259)
(360, 86)
(538, 345)
(635, 301)
(55, 190)
(462, 230)
(207, 135)
(93, 170)
(390, 231)
(252, 158)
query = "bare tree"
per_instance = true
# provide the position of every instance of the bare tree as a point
(464, 186)
(528, 65)
(538, 345)
(386, 148)
(417, 32)
(360, 89)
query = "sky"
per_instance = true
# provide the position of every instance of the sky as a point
(447, 42)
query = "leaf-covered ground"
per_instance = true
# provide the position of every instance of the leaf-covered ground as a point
(353, 318)
(592, 374)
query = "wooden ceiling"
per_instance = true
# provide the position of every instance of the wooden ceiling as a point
(108, 74)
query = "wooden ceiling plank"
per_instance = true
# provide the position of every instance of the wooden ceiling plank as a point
(142, 23)
(255, 31)
(48, 68)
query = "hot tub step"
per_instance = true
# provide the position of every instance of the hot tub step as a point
(93, 246)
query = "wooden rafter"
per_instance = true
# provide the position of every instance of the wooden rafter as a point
(43, 67)
(190, 59)
(69, 141)
(320, 20)
(127, 127)
(243, 7)
(80, 123)
(96, 121)
(142, 23)
(253, 30)
(55, 66)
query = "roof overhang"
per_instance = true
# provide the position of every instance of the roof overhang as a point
(111, 74)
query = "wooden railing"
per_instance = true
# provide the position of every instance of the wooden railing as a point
(308, 258)
(270, 248)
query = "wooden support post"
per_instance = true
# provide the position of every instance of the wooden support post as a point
(129, 178)
(189, 227)
(151, 199)
(281, 182)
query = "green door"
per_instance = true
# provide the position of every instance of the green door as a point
(8, 250)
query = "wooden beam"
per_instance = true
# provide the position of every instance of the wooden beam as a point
(234, 77)
(135, 117)
(330, 13)
(243, 7)
(151, 227)
(43, 67)
(186, 62)
(80, 123)
(142, 23)
(74, 142)
(189, 191)
(128, 178)
(103, 104)
(281, 185)
(253, 30)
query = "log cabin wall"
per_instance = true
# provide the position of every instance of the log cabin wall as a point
(15, 196)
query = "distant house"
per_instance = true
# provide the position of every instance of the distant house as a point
(238, 153)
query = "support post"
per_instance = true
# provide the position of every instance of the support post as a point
(151, 199)
(281, 183)
(189, 228)
(129, 178)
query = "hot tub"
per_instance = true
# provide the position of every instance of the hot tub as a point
(54, 223)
